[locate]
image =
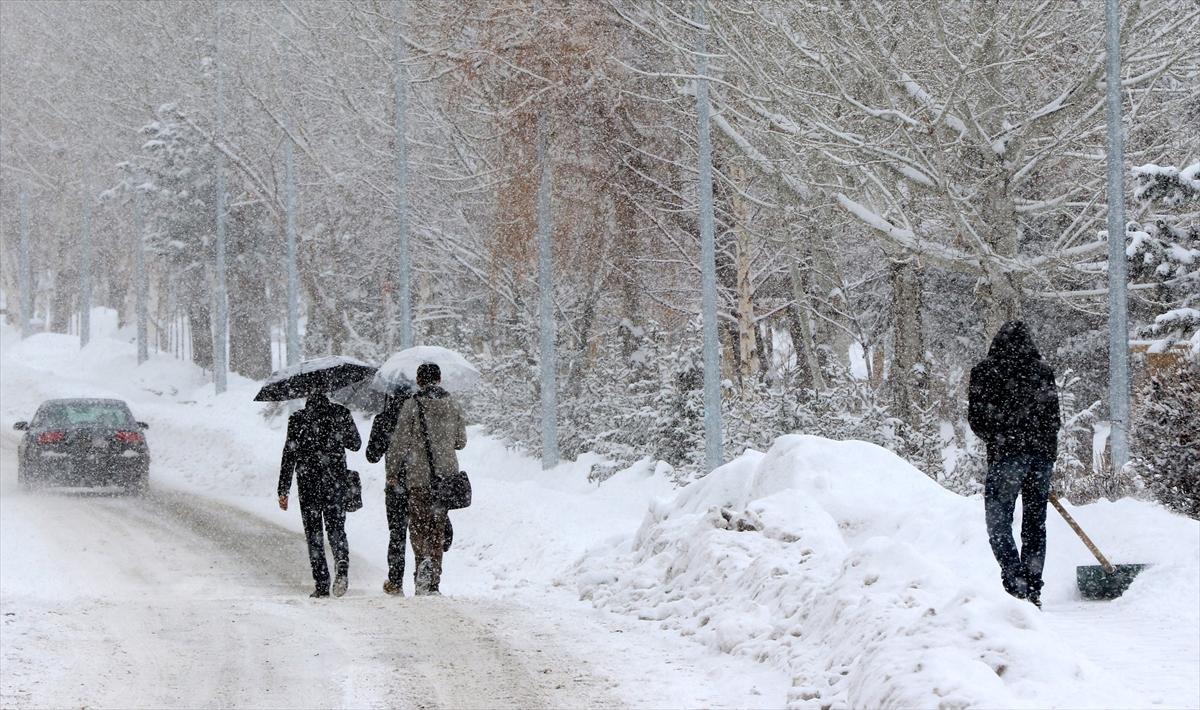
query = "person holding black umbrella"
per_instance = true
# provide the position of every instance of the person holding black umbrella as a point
(315, 455)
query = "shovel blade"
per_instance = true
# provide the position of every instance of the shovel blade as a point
(1095, 583)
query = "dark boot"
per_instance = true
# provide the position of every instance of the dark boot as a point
(341, 581)
(319, 593)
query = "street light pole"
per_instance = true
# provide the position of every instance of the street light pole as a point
(403, 249)
(712, 355)
(293, 274)
(1118, 324)
(548, 360)
(26, 272)
(139, 252)
(85, 270)
(220, 326)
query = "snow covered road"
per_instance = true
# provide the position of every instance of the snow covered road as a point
(178, 600)
(173, 600)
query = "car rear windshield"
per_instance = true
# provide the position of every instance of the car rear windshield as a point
(83, 414)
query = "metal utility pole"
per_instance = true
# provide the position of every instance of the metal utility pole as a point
(708, 264)
(1118, 324)
(548, 360)
(26, 275)
(139, 254)
(220, 324)
(404, 254)
(293, 274)
(85, 270)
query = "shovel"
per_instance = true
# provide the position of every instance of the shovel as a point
(1102, 581)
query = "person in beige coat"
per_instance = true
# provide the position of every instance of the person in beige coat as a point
(430, 425)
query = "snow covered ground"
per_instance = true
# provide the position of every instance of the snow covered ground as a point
(818, 573)
(197, 594)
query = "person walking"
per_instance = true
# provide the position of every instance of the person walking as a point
(429, 431)
(395, 495)
(1013, 407)
(315, 453)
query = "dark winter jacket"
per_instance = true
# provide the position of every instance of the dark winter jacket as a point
(1012, 400)
(315, 451)
(383, 426)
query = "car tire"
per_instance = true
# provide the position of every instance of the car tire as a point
(138, 486)
(24, 481)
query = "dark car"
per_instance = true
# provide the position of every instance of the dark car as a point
(83, 442)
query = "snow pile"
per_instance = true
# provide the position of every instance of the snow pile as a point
(867, 581)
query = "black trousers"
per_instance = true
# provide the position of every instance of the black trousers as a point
(396, 503)
(318, 515)
(1026, 475)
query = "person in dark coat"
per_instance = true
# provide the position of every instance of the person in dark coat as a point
(395, 496)
(315, 452)
(1013, 408)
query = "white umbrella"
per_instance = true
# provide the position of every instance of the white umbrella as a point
(458, 374)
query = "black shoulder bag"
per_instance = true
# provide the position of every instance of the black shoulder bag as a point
(452, 492)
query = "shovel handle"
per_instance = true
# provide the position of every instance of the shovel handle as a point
(1082, 535)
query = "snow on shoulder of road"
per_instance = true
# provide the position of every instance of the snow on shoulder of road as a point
(875, 587)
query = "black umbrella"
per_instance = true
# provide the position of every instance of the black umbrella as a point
(322, 375)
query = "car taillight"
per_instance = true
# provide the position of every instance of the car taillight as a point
(130, 437)
(51, 437)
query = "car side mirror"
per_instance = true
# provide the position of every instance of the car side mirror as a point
(143, 425)
(21, 426)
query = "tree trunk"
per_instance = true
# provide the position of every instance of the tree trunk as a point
(249, 327)
(200, 325)
(60, 312)
(747, 347)
(804, 345)
(907, 376)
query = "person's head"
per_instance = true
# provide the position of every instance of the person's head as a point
(317, 399)
(428, 374)
(1014, 341)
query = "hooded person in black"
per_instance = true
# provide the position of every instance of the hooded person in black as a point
(1013, 407)
(315, 454)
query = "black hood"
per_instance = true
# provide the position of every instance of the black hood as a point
(1014, 343)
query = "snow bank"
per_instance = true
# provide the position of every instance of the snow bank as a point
(869, 583)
